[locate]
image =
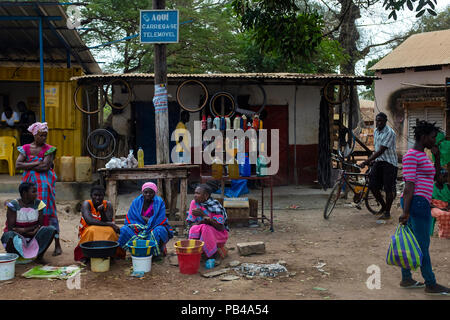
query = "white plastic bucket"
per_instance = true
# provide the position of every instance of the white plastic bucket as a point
(7, 265)
(142, 264)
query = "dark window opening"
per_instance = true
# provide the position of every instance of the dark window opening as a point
(427, 68)
(388, 71)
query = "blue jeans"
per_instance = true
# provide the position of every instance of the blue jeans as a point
(420, 223)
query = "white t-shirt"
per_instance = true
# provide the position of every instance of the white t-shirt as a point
(10, 121)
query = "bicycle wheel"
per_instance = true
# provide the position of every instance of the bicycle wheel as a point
(332, 199)
(89, 91)
(229, 104)
(203, 96)
(372, 204)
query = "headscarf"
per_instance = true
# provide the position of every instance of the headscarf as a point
(37, 127)
(150, 185)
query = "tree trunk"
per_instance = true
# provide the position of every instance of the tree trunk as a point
(349, 34)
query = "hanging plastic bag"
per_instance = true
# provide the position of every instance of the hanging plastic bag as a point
(404, 250)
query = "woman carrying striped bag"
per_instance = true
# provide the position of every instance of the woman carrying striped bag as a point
(418, 174)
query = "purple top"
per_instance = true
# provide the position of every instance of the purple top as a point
(149, 213)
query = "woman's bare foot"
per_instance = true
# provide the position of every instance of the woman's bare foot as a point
(57, 252)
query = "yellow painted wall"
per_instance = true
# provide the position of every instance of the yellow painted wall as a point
(64, 120)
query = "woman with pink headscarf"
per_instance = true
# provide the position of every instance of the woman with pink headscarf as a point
(36, 160)
(146, 220)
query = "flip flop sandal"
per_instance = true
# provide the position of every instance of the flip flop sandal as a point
(416, 285)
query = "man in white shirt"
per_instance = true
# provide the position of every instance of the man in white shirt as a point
(384, 160)
(10, 117)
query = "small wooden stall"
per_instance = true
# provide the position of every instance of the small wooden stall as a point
(159, 172)
(263, 180)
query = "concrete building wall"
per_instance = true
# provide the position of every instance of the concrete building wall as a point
(307, 104)
(305, 124)
(392, 85)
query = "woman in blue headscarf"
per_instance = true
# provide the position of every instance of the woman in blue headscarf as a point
(146, 220)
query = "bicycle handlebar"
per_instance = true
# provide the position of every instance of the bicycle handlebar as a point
(344, 162)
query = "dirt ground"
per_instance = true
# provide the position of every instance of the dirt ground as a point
(348, 243)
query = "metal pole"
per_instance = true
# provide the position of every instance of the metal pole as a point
(295, 137)
(41, 66)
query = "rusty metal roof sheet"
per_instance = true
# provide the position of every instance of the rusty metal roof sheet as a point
(258, 76)
(19, 39)
(422, 49)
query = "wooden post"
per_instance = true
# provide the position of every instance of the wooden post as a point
(162, 112)
(183, 194)
(111, 192)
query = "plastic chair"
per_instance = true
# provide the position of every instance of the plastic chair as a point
(7, 145)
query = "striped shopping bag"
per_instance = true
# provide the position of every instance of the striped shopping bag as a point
(404, 250)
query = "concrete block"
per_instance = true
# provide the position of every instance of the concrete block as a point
(248, 248)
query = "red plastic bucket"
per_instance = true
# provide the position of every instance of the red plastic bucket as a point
(189, 263)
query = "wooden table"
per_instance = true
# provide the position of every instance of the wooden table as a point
(253, 177)
(159, 172)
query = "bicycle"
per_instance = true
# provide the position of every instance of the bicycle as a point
(358, 184)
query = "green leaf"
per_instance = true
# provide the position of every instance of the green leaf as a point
(420, 14)
(410, 5)
(432, 12)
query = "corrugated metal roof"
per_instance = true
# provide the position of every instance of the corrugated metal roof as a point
(261, 76)
(422, 49)
(19, 39)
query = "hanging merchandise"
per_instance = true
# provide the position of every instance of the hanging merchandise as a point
(260, 124)
(237, 123)
(236, 146)
(228, 147)
(209, 122)
(253, 145)
(217, 169)
(261, 163)
(255, 123)
(244, 122)
(222, 123)
(140, 158)
(227, 123)
(233, 169)
(216, 123)
(204, 125)
(244, 165)
(324, 157)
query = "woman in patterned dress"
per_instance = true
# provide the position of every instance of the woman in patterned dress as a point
(36, 160)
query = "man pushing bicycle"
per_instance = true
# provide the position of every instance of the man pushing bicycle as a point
(385, 162)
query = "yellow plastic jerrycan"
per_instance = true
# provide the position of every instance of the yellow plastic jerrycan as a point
(83, 169)
(67, 168)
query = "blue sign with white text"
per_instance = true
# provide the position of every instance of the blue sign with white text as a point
(159, 26)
